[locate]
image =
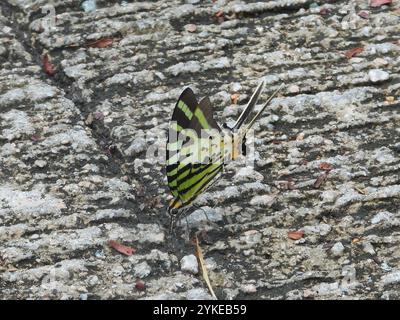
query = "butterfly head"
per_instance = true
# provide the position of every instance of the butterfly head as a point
(175, 206)
(238, 145)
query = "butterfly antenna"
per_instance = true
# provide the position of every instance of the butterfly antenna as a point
(249, 107)
(250, 124)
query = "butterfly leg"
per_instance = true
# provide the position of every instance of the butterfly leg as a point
(205, 214)
(172, 222)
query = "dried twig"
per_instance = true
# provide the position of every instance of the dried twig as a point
(200, 257)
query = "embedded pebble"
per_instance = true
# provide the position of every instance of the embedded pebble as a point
(189, 264)
(40, 163)
(141, 270)
(383, 216)
(377, 75)
(248, 288)
(337, 249)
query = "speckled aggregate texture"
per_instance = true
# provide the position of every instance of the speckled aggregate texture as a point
(74, 172)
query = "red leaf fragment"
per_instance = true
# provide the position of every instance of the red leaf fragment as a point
(234, 98)
(320, 180)
(191, 27)
(378, 3)
(303, 162)
(140, 285)
(324, 11)
(363, 14)
(35, 138)
(110, 150)
(101, 43)
(128, 251)
(352, 52)
(296, 235)
(98, 115)
(325, 166)
(48, 67)
(219, 13)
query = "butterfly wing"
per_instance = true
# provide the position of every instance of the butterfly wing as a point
(181, 119)
(195, 176)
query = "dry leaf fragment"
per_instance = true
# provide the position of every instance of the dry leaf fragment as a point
(202, 264)
(324, 11)
(101, 43)
(98, 115)
(219, 13)
(303, 162)
(35, 138)
(296, 235)
(128, 251)
(356, 240)
(352, 52)
(325, 166)
(378, 3)
(154, 202)
(48, 66)
(300, 136)
(363, 14)
(320, 180)
(140, 285)
(234, 98)
(390, 99)
(359, 190)
(89, 119)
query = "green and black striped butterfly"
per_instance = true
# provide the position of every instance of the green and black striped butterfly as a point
(197, 149)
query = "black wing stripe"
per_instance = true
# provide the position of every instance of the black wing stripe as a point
(204, 180)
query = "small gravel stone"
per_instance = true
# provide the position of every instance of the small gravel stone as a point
(201, 217)
(83, 296)
(263, 200)
(368, 248)
(248, 288)
(391, 278)
(236, 87)
(382, 216)
(89, 5)
(251, 237)
(337, 249)
(141, 270)
(198, 294)
(377, 75)
(293, 88)
(189, 264)
(40, 163)
(191, 27)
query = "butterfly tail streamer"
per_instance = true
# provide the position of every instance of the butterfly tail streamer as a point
(249, 107)
(250, 124)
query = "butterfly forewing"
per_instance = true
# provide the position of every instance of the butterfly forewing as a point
(193, 157)
(181, 119)
(199, 173)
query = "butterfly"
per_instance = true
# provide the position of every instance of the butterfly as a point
(197, 148)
